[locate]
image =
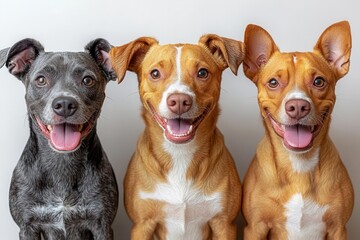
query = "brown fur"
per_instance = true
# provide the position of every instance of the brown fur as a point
(212, 168)
(270, 180)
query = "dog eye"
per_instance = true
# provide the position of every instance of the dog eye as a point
(273, 83)
(155, 74)
(88, 81)
(319, 82)
(41, 81)
(202, 73)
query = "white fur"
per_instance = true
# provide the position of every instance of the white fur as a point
(297, 94)
(304, 219)
(187, 209)
(294, 94)
(294, 59)
(57, 213)
(304, 162)
(56, 91)
(177, 87)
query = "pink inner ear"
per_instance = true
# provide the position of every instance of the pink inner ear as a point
(259, 48)
(21, 61)
(106, 60)
(335, 46)
(332, 50)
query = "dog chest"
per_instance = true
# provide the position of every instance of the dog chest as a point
(304, 219)
(187, 209)
(56, 214)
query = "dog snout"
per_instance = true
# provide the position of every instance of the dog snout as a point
(179, 103)
(297, 108)
(65, 106)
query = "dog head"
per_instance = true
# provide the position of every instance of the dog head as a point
(296, 90)
(179, 84)
(64, 90)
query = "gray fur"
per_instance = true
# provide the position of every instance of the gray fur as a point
(53, 194)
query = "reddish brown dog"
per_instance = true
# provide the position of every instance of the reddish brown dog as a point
(181, 182)
(296, 186)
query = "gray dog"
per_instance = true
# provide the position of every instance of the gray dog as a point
(63, 186)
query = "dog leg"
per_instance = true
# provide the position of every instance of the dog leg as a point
(222, 229)
(76, 233)
(258, 231)
(54, 234)
(338, 233)
(101, 232)
(144, 231)
(29, 233)
(105, 235)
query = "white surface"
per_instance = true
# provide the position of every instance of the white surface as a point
(69, 25)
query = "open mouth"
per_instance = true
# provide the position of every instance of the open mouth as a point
(65, 137)
(179, 130)
(296, 137)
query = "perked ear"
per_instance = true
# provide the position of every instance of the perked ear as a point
(259, 48)
(334, 45)
(99, 49)
(20, 56)
(130, 56)
(229, 51)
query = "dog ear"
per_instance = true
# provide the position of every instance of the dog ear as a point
(229, 51)
(99, 50)
(3, 56)
(259, 48)
(130, 56)
(334, 45)
(20, 56)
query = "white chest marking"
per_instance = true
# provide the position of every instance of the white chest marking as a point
(294, 59)
(303, 163)
(304, 219)
(55, 212)
(187, 209)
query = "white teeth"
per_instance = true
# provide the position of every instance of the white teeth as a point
(190, 129)
(312, 128)
(49, 127)
(81, 127)
(181, 134)
(169, 130)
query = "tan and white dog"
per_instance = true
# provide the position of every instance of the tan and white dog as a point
(296, 186)
(182, 182)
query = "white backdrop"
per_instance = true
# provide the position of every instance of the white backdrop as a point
(69, 25)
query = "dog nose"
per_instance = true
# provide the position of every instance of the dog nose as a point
(179, 103)
(297, 108)
(65, 106)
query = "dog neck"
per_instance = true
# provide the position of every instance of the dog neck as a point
(296, 162)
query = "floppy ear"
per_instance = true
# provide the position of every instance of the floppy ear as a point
(334, 45)
(130, 56)
(259, 48)
(3, 56)
(229, 51)
(99, 49)
(20, 56)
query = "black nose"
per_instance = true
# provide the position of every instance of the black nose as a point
(64, 106)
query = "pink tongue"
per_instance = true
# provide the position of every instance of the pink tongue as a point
(298, 136)
(178, 125)
(65, 137)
